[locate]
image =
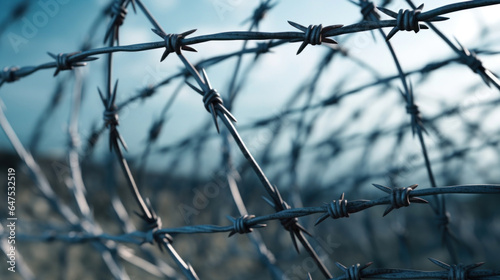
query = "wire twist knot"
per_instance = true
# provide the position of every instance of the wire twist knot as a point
(412, 109)
(336, 209)
(8, 74)
(211, 99)
(289, 223)
(153, 224)
(119, 12)
(314, 34)
(399, 197)
(155, 130)
(241, 226)
(110, 116)
(354, 271)
(147, 92)
(470, 59)
(173, 42)
(474, 63)
(368, 9)
(111, 119)
(417, 124)
(408, 20)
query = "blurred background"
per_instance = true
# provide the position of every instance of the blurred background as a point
(328, 121)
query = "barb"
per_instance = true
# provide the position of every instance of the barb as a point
(211, 98)
(408, 20)
(118, 13)
(64, 62)
(314, 34)
(241, 226)
(457, 272)
(336, 209)
(400, 197)
(8, 75)
(245, 223)
(173, 42)
(111, 119)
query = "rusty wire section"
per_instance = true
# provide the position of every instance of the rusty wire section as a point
(115, 248)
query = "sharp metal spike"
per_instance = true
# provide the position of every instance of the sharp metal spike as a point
(388, 12)
(194, 88)
(341, 266)
(439, 18)
(164, 55)
(214, 117)
(189, 49)
(321, 219)
(189, 32)
(294, 242)
(474, 266)
(388, 210)
(296, 25)
(158, 32)
(418, 200)
(382, 188)
(391, 33)
(301, 228)
(365, 265)
(302, 47)
(227, 113)
(102, 97)
(439, 263)
(329, 41)
(269, 202)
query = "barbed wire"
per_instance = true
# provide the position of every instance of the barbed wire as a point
(83, 227)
